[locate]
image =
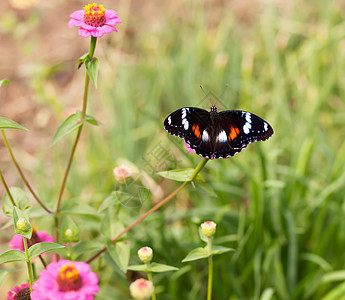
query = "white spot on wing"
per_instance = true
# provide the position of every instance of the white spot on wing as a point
(222, 138)
(248, 125)
(186, 124)
(205, 136)
(184, 113)
(246, 128)
(265, 126)
(169, 120)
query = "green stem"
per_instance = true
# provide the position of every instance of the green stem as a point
(7, 189)
(149, 275)
(28, 263)
(70, 249)
(26, 182)
(82, 118)
(153, 209)
(210, 269)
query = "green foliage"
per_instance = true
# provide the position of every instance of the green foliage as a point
(152, 267)
(179, 175)
(9, 124)
(11, 256)
(92, 66)
(68, 126)
(20, 199)
(43, 247)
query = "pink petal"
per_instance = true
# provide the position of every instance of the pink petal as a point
(113, 21)
(110, 13)
(78, 15)
(74, 22)
(84, 33)
(106, 29)
(96, 32)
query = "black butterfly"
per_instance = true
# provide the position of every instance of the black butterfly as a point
(217, 134)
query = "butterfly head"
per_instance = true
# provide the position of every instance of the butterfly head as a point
(213, 108)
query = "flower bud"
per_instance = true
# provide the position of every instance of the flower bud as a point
(69, 233)
(121, 173)
(141, 289)
(23, 225)
(145, 254)
(208, 228)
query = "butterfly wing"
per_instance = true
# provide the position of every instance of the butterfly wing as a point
(189, 123)
(240, 129)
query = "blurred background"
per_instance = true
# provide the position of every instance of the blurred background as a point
(279, 204)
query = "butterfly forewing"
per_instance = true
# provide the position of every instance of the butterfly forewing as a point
(181, 123)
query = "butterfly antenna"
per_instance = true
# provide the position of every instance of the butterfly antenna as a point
(203, 90)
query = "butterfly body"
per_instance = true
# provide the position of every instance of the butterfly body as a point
(215, 134)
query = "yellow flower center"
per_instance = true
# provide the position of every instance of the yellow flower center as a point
(94, 15)
(69, 279)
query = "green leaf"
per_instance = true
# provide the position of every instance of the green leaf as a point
(82, 59)
(73, 208)
(9, 124)
(110, 228)
(12, 255)
(106, 225)
(202, 236)
(112, 200)
(4, 81)
(68, 126)
(93, 121)
(43, 247)
(139, 268)
(179, 175)
(110, 261)
(18, 214)
(159, 268)
(120, 253)
(19, 197)
(92, 69)
(86, 247)
(152, 267)
(196, 254)
(216, 250)
(267, 294)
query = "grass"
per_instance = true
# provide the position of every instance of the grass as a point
(280, 203)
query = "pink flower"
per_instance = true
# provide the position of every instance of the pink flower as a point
(94, 20)
(66, 280)
(19, 292)
(37, 237)
(189, 149)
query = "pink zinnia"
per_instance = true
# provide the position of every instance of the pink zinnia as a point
(19, 292)
(66, 280)
(37, 237)
(94, 20)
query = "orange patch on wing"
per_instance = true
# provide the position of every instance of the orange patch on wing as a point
(234, 131)
(196, 130)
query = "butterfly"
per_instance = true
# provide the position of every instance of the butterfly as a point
(215, 134)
